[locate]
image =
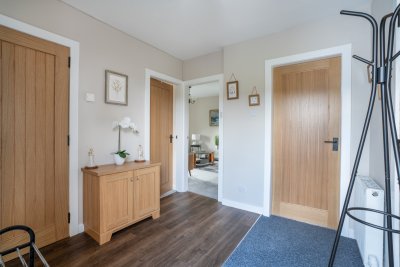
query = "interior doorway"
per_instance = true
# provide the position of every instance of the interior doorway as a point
(191, 159)
(204, 138)
(306, 141)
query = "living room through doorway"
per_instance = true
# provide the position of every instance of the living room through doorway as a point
(204, 139)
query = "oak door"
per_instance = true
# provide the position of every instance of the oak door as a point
(306, 113)
(161, 126)
(33, 137)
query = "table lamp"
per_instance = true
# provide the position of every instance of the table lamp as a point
(195, 139)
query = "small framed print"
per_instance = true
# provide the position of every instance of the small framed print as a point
(116, 88)
(214, 117)
(232, 89)
(254, 100)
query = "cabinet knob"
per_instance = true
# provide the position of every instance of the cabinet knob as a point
(131, 179)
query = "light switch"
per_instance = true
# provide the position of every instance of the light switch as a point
(90, 97)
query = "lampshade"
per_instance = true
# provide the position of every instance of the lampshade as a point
(195, 137)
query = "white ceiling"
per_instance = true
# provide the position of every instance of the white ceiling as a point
(204, 90)
(190, 28)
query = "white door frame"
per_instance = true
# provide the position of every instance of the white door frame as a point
(74, 227)
(214, 78)
(179, 160)
(345, 170)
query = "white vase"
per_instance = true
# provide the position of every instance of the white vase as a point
(118, 160)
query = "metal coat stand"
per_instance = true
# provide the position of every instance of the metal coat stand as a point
(381, 76)
(30, 244)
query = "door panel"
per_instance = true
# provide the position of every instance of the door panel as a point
(33, 137)
(117, 198)
(161, 117)
(305, 169)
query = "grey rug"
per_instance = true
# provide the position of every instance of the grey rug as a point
(203, 188)
(210, 168)
(280, 242)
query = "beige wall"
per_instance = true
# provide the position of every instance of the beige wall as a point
(101, 47)
(376, 166)
(199, 121)
(244, 126)
(203, 66)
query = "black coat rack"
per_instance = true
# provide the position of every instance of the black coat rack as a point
(381, 76)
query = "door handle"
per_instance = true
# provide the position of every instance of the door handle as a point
(334, 142)
(171, 137)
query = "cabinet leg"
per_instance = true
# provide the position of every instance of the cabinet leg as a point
(104, 238)
(155, 215)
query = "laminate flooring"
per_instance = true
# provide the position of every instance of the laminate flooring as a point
(193, 230)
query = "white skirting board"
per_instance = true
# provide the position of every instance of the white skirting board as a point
(81, 228)
(242, 206)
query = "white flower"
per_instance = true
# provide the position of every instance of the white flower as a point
(125, 123)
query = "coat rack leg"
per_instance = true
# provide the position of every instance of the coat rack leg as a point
(388, 199)
(353, 175)
(393, 132)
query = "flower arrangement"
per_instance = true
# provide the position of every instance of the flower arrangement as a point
(121, 155)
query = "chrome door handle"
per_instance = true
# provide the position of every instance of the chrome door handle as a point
(334, 142)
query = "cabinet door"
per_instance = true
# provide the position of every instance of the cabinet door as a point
(147, 191)
(116, 199)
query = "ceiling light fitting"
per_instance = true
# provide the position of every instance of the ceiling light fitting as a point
(191, 100)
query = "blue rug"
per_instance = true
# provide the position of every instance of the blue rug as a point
(280, 242)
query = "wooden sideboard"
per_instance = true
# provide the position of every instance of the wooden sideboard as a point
(115, 197)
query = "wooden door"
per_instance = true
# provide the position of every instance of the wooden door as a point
(147, 191)
(161, 117)
(116, 196)
(306, 113)
(33, 137)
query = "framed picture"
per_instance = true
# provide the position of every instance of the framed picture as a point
(254, 100)
(232, 89)
(116, 88)
(214, 117)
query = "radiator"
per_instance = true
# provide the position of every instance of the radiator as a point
(369, 194)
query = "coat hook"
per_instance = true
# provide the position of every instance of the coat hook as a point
(369, 71)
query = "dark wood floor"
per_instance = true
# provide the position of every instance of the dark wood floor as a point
(192, 231)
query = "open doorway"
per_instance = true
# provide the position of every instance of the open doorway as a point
(203, 154)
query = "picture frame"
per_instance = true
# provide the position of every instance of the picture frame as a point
(232, 90)
(214, 117)
(116, 86)
(254, 100)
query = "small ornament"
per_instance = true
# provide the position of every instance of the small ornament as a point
(140, 155)
(91, 164)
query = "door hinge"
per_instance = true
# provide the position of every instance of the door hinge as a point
(69, 62)
(69, 217)
(68, 140)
